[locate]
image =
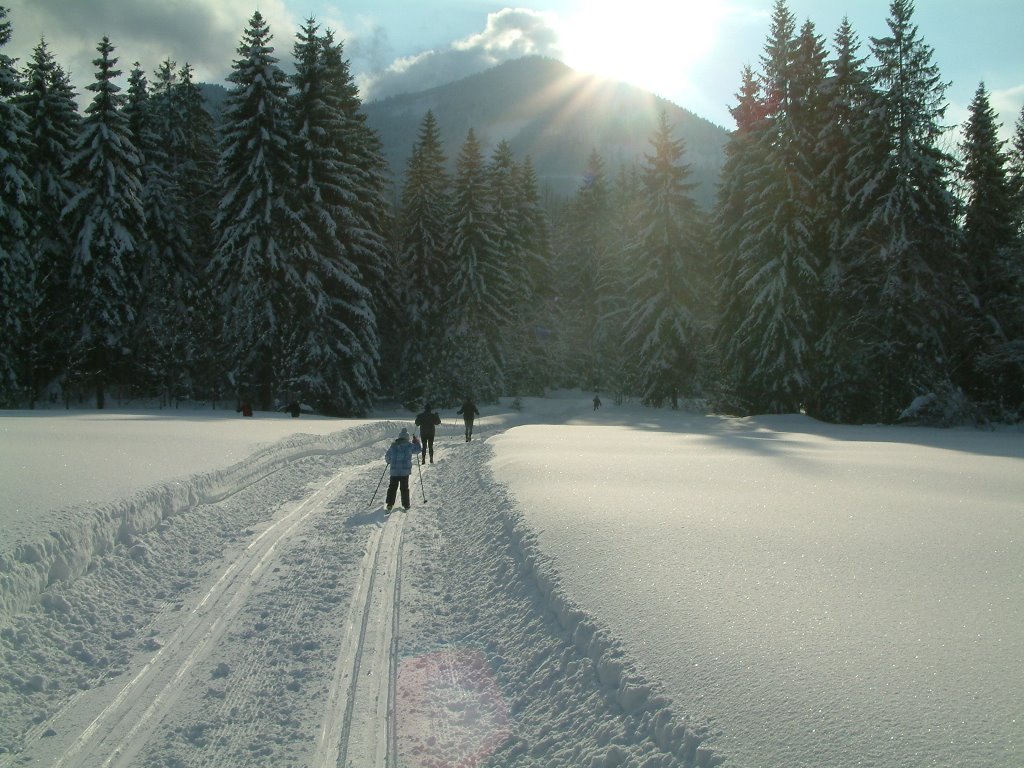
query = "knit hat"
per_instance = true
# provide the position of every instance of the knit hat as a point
(404, 434)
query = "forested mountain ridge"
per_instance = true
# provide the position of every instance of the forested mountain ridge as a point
(554, 115)
(847, 267)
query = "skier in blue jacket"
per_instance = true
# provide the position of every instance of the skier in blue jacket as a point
(399, 458)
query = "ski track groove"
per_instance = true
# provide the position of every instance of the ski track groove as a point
(206, 624)
(358, 726)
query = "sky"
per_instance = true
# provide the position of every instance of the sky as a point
(688, 51)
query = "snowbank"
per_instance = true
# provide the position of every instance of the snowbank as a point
(106, 468)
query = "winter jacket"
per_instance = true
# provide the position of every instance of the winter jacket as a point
(426, 421)
(468, 411)
(399, 456)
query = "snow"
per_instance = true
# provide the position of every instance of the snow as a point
(617, 587)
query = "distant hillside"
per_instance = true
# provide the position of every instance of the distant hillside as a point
(545, 110)
(552, 113)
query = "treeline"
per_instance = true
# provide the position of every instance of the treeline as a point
(863, 270)
(146, 254)
(853, 266)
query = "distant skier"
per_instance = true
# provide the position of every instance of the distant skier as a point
(468, 411)
(293, 408)
(244, 408)
(597, 402)
(399, 458)
(427, 422)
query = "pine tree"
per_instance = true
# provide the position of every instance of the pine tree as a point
(166, 325)
(15, 194)
(905, 274)
(583, 277)
(332, 342)
(255, 224)
(668, 325)
(193, 154)
(734, 249)
(108, 224)
(423, 263)
(528, 355)
(53, 122)
(478, 281)
(194, 159)
(991, 241)
(848, 94)
(778, 265)
(1012, 354)
(363, 235)
(514, 291)
(619, 369)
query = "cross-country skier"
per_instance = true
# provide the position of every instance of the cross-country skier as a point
(468, 412)
(427, 421)
(399, 458)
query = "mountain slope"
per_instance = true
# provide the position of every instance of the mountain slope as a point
(552, 113)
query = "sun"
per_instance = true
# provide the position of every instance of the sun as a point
(649, 43)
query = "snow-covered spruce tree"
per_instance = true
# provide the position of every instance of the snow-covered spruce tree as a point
(1015, 172)
(779, 288)
(16, 289)
(586, 241)
(194, 160)
(48, 101)
(107, 223)
(528, 354)
(163, 331)
(806, 233)
(903, 279)
(505, 190)
(743, 153)
(423, 264)
(478, 284)
(256, 226)
(992, 368)
(331, 341)
(848, 95)
(369, 212)
(619, 372)
(667, 327)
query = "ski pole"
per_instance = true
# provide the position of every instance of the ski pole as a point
(378, 484)
(420, 468)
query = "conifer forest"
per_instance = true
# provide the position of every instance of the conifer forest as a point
(862, 262)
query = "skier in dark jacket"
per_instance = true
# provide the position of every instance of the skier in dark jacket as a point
(399, 458)
(468, 411)
(427, 422)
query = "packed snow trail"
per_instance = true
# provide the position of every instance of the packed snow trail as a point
(285, 624)
(113, 738)
(358, 725)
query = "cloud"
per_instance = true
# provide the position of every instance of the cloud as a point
(204, 34)
(1008, 102)
(509, 34)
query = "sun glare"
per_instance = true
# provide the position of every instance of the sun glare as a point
(648, 43)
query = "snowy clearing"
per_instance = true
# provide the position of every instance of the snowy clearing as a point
(620, 587)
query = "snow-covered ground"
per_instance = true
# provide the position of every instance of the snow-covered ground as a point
(571, 588)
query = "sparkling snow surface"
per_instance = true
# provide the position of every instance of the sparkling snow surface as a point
(800, 594)
(824, 596)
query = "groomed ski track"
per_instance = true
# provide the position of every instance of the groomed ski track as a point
(313, 630)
